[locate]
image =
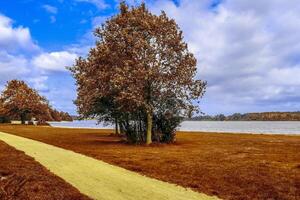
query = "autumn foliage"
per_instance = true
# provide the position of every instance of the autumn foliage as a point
(20, 102)
(139, 75)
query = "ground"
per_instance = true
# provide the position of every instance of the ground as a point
(97, 179)
(230, 166)
(22, 178)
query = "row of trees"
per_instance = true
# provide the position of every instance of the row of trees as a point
(20, 102)
(272, 116)
(264, 116)
(140, 76)
(219, 117)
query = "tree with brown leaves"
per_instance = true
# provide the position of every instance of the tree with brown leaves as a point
(20, 101)
(65, 116)
(2, 110)
(140, 60)
(3, 117)
(55, 114)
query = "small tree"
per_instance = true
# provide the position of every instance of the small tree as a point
(2, 109)
(55, 115)
(65, 116)
(19, 101)
(140, 61)
(3, 117)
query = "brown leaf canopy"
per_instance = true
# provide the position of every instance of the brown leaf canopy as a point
(141, 60)
(19, 99)
(2, 110)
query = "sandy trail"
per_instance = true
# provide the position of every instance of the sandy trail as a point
(98, 179)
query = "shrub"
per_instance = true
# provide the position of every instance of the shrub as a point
(4, 119)
(164, 129)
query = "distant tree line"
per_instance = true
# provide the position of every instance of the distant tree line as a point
(20, 102)
(264, 116)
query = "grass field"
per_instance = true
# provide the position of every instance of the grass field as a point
(230, 166)
(22, 178)
(97, 179)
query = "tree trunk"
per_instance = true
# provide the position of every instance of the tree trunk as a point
(116, 127)
(149, 127)
(23, 118)
(121, 128)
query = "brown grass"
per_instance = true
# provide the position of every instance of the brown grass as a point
(231, 166)
(22, 178)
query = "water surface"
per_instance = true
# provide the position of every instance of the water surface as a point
(265, 127)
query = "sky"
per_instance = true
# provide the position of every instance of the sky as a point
(248, 51)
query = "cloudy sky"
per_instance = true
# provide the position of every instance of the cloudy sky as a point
(248, 51)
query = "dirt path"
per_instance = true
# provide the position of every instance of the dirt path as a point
(98, 179)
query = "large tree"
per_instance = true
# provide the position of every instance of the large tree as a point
(140, 61)
(20, 101)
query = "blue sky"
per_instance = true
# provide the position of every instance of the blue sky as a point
(248, 51)
(54, 23)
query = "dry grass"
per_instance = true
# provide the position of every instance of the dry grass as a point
(97, 179)
(22, 178)
(231, 166)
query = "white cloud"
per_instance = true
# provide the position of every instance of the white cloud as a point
(39, 83)
(100, 4)
(50, 9)
(52, 19)
(54, 61)
(15, 46)
(12, 67)
(13, 39)
(131, 2)
(98, 21)
(248, 51)
(21, 58)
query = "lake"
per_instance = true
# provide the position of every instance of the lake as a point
(258, 127)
